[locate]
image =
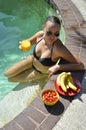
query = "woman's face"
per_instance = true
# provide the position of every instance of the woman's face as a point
(51, 32)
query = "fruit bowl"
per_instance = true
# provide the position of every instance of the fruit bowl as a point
(49, 96)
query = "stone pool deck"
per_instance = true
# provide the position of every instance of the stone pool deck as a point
(69, 113)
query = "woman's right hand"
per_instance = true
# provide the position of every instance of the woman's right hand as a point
(53, 70)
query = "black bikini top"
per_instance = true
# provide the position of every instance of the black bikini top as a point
(44, 61)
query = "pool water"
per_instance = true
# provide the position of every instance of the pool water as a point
(19, 19)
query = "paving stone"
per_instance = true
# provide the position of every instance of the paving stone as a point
(70, 43)
(12, 126)
(57, 109)
(37, 129)
(83, 25)
(50, 84)
(79, 75)
(2, 129)
(73, 49)
(83, 45)
(65, 101)
(83, 59)
(83, 51)
(25, 123)
(83, 32)
(35, 114)
(39, 105)
(50, 122)
(73, 31)
(75, 11)
(60, 3)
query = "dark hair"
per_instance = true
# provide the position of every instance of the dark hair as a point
(53, 19)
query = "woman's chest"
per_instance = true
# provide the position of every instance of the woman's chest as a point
(43, 51)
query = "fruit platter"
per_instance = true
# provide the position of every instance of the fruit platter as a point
(49, 96)
(67, 85)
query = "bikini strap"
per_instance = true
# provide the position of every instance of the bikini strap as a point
(52, 50)
(34, 50)
(39, 40)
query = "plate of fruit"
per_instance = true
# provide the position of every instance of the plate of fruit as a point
(67, 85)
(49, 96)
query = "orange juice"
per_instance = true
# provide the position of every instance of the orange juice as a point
(25, 45)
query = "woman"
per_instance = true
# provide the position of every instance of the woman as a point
(46, 55)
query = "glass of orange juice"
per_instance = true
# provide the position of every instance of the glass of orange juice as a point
(25, 45)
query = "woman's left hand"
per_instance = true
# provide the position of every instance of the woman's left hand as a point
(53, 69)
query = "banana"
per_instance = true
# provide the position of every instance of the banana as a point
(71, 83)
(63, 82)
(58, 80)
(70, 79)
(67, 86)
(72, 86)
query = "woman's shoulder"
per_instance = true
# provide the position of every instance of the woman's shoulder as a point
(36, 36)
(40, 33)
(59, 43)
(59, 46)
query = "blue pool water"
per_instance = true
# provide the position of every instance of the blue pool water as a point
(19, 19)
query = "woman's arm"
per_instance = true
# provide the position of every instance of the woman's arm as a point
(35, 37)
(73, 64)
(66, 67)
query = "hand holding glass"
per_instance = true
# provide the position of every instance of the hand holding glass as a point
(25, 45)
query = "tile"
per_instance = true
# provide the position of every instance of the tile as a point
(50, 122)
(25, 122)
(37, 103)
(83, 59)
(12, 126)
(2, 129)
(35, 114)
(83, 52)
(73, 48)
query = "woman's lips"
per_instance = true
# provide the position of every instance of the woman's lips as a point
(52, 40)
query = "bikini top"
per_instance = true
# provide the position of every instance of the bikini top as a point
(44, 61)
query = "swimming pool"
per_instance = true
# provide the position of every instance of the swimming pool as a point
(18, 20)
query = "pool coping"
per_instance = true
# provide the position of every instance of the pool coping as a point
(37, 116)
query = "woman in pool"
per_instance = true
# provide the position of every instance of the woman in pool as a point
(47, 53)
